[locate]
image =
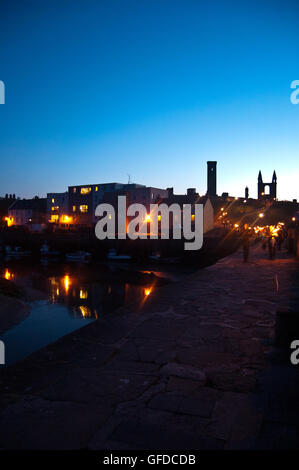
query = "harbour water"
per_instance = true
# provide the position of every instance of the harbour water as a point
(64, 297)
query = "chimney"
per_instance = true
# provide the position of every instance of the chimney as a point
(170, 191)
(191, 191)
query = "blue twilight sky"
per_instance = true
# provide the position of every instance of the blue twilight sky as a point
(97, 90)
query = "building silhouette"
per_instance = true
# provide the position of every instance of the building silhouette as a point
(212, 178)
(267, 190)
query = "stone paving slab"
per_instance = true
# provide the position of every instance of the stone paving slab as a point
(191, 367)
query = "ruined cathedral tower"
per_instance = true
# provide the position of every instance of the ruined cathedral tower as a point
(267, 190)
(274, 186)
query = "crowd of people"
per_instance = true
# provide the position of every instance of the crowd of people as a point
(271, 238)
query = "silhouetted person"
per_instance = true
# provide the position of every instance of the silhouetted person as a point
(246, 245)
(291, 240)
(280, 239)
(272, 247)
(264, 242)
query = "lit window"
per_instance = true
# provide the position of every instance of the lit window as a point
(54, 218)
(84, 208)
(74, 208)
(97, 188)
(74, 190)
(85, 190)
(53, 201)
(55, 208)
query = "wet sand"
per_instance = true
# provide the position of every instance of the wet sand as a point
(12, 312)
(15, 304)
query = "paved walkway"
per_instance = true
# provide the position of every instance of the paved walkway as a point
(191, 368)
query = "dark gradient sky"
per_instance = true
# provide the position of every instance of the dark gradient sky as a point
(97, 90)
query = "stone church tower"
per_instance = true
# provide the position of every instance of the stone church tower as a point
(212, 178)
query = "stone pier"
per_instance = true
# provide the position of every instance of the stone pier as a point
(192, 367)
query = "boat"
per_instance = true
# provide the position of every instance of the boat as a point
(45, 251)
(112, 255)
(156, 256)
(78, 256)
(16, 252)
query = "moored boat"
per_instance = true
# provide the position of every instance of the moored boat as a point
(78, 256)
(45, 251)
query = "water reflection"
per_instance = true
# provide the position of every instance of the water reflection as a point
(85, 311)
(8, 275)
(84, 296)
(90, 299)
(66, 282)
(66, 289)
(64, 298)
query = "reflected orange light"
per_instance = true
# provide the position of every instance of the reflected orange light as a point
(147, 292)
(8, 275)
(147, 218)
(9, 221)
(85, 311)
(83, 294)
(66, 282)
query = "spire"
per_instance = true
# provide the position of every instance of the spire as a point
(274, 178)
(260, 178)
